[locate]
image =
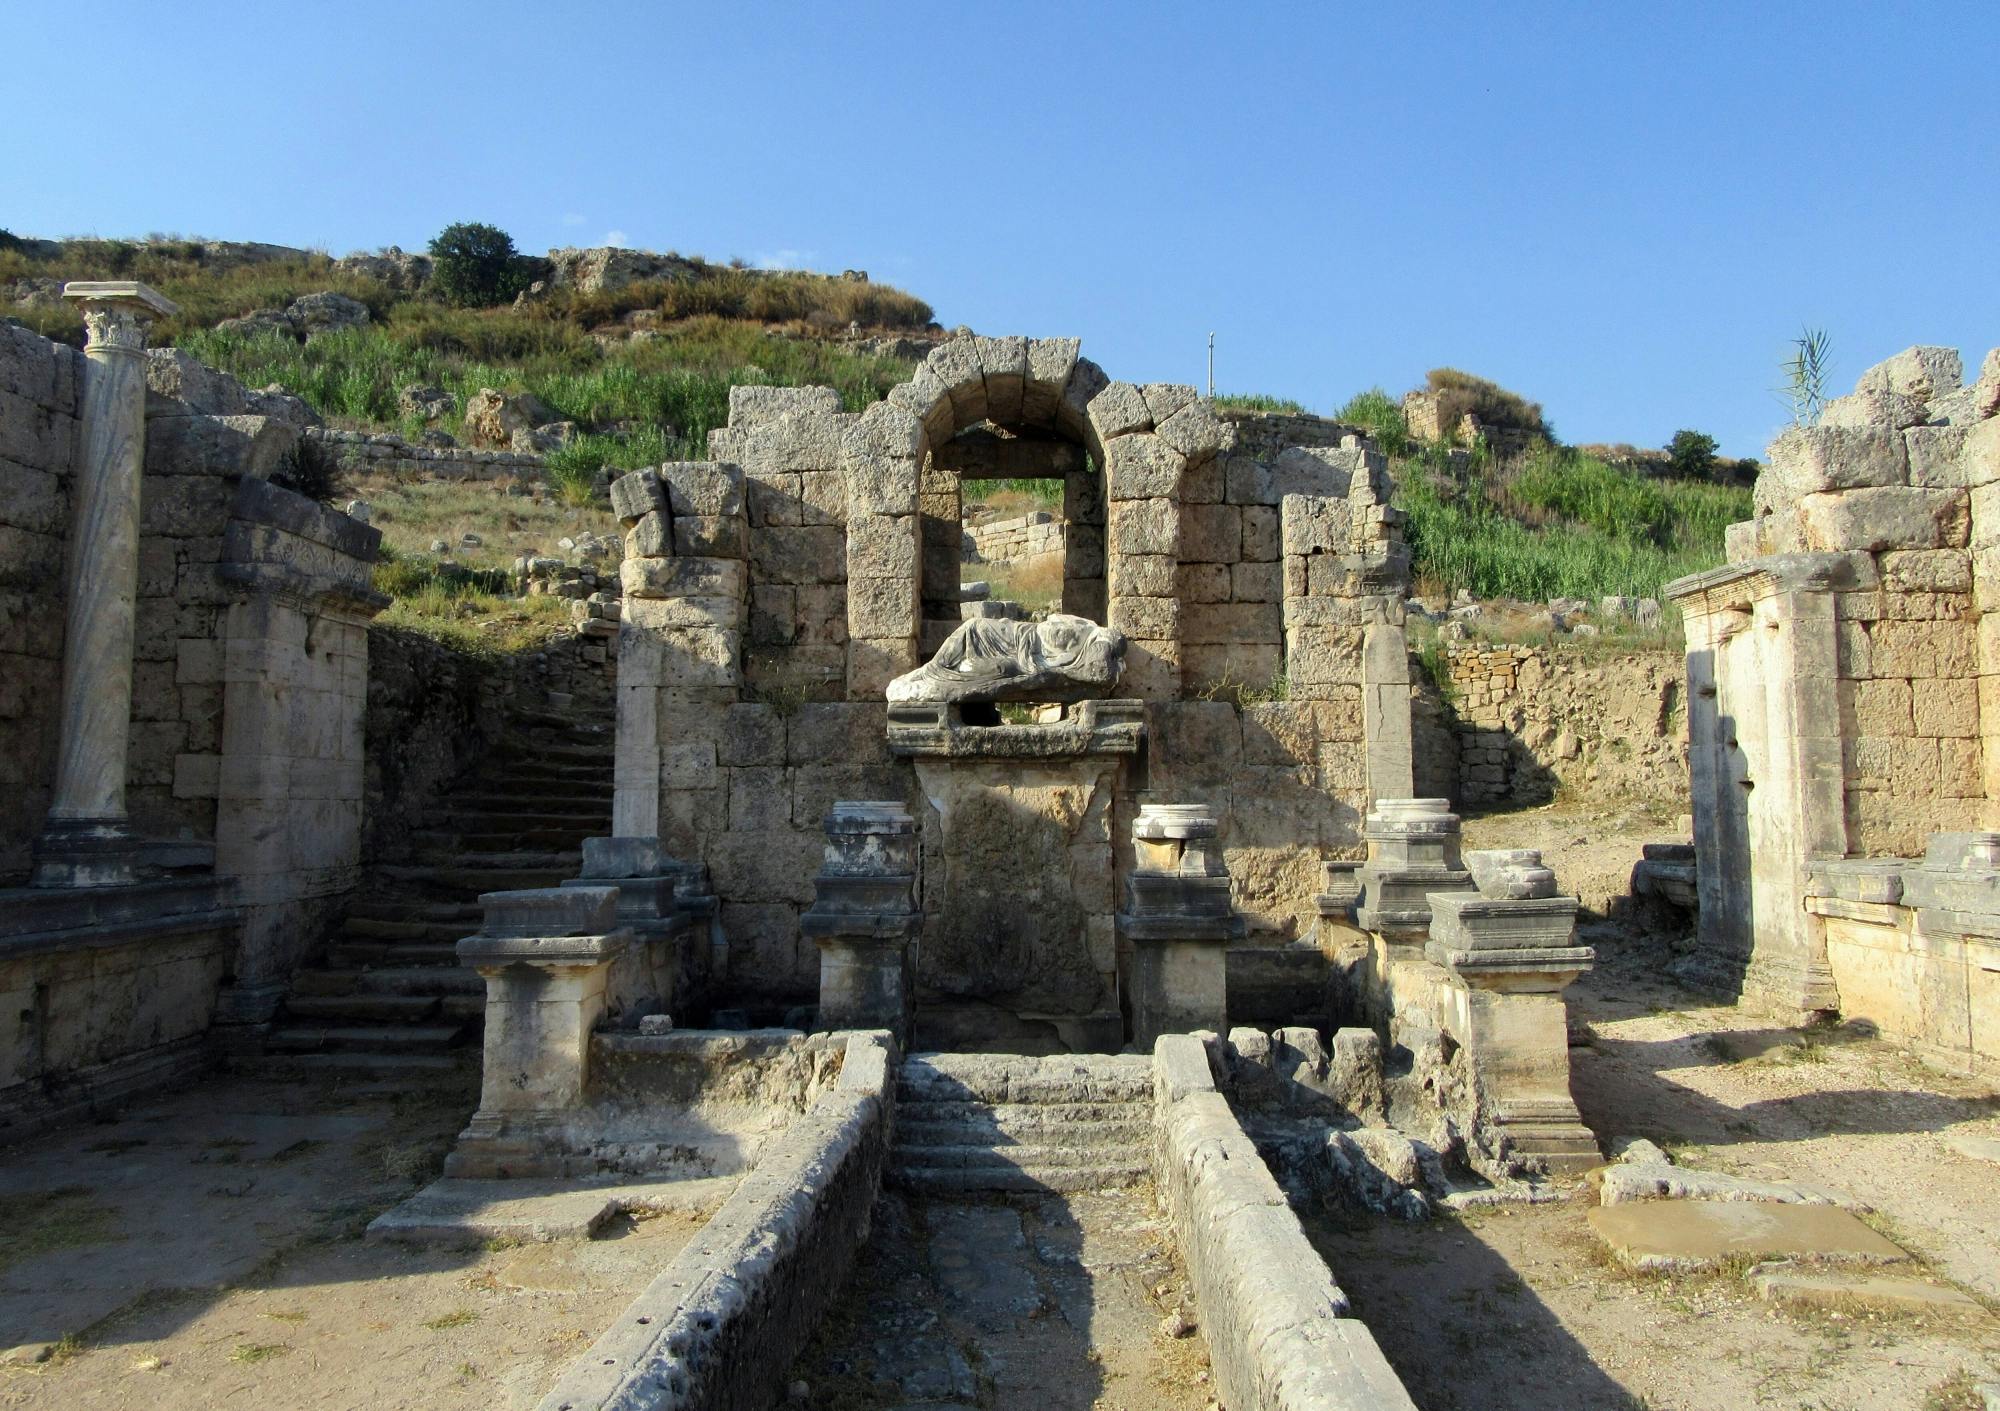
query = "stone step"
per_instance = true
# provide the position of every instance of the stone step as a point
(364, 1038)
(362, 1006)
(1013, 1115)
(396, 954)
(588, 817)
(364, 1065)
(550, 752)
(985, 1156)
(467, 1008)
(992, 1078)
(373, 906)
(470, 881)
(503, 836)
(1109, 1139)
(563, 802)
(1111, 1125)
(949, 1180)
(432, 980)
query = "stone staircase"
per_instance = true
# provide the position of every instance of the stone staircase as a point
(390, 994)
(970, 1122)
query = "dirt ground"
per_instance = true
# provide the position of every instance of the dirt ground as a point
(205, 1250)
(1047, 1302)
(1519, 1307)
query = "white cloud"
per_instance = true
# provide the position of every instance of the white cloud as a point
(785, 259)
(572, 218)
(616, 237)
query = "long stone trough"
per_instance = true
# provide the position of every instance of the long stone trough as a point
(718, 1328)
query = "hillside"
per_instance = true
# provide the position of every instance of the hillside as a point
(625, 358)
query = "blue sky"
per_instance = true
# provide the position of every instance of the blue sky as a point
(1624, 212)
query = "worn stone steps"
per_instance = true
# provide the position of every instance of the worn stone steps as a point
(989, 1122)
(447, 842)
(1022, 1123)
(436, 981)
(390, 996)
(367, 1065)
(465, 880)
(369, 1038)
(365, 954)
(930, 1180)
(372, 1007)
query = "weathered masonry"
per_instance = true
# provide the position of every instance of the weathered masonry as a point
(1844, 717)
(773, 592)
(183, 676)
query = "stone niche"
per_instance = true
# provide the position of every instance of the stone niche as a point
(778, 592)
(1019, 895)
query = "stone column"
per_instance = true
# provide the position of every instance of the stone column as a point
(1509, 949)
(86, 842)
(1180, 923)
(864, 918)
(547, 957)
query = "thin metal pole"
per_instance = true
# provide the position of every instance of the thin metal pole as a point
(1211, 367)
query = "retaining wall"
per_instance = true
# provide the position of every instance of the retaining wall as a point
(1279, 1338)
(718, 1328)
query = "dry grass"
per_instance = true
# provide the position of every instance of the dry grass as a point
(412, 513)
(1035, 583)
(44, 1221)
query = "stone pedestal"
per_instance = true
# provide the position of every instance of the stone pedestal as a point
(547, 957)
(864, 918)
(1019, 893)
(86, 842)
(1180, 922)
(1509, 952)
(666, 905)
(1412, 853)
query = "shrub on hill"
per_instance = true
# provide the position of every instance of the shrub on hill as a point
(475, 265)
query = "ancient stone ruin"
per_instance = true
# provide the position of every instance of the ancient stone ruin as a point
(875, 882)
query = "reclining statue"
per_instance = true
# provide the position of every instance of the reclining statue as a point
(1060, 659)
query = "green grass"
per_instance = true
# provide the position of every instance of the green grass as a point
(1561, 524)
(1043, 492)
(1381, 416)
(657, 398)
(1257, 402)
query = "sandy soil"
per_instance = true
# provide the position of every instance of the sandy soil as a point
(1521, 1308)
(1049, 1302)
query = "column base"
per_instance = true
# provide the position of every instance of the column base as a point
(1546, 1135)
(86, 852)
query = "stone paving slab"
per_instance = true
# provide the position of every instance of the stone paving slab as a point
(468, 1211)
(1888, 1293)
(1979, 1148)
(1699, 1234)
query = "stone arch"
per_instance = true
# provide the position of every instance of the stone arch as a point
(1143, 441)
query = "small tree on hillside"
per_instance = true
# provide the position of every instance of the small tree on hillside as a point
(1692, 454)
(475, 265)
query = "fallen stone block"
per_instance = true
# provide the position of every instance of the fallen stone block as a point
(1644, 1172)
(1883, 1293)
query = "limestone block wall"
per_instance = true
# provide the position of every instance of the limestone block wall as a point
(1020, 537)
(250, 657)
(1531, 722)
(39, 383)
(336, 452)
(773, 591)
(1839, 667)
